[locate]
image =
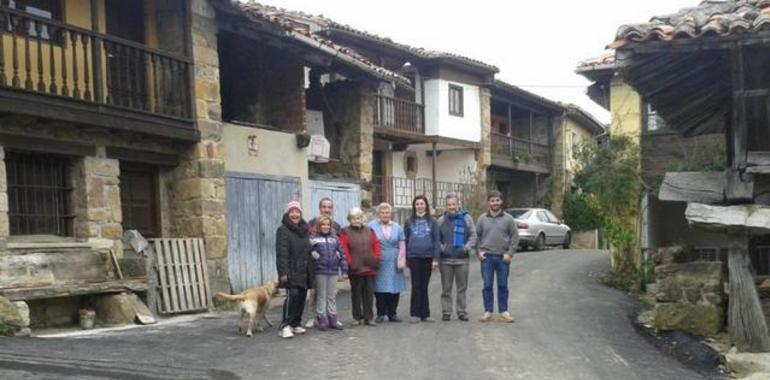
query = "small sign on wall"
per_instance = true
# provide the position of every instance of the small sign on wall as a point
(252, 145)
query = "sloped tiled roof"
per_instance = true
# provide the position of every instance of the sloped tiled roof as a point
(318, 25)
(604, 61)
(417, 51)
(304, 33)
(709, 18)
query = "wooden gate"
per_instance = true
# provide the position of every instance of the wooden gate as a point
(255, 206)
(344, 196)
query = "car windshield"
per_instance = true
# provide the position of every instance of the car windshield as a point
(520, 213)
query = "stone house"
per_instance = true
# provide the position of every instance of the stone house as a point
(423, 136)
(702, 70)
(107, 125)
(534, 146)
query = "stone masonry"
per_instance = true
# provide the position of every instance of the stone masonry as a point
(196, 187)
(97, 209)
(690, 295)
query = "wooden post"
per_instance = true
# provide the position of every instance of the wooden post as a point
(531, 127)
(96, 52)
(433, 169)
(510, 121)
(746, 321)
(739, 126)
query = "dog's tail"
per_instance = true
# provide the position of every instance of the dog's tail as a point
(231, 297)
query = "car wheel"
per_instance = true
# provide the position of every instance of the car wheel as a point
(567, 241)
(540, 242)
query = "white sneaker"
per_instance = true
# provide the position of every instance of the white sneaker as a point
(486, 317)
(310, 323)
(298, 330)
(286, 333)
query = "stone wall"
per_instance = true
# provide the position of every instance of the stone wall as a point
(348, 109)
(96, 207)
(196, 188)
(484, 160)
(690, 295)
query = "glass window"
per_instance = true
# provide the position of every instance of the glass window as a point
(654, 122)
(520, 213)
(552, 217)
(455, 100)
(542, 217)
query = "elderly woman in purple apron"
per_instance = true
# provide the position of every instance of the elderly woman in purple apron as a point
(390, 280)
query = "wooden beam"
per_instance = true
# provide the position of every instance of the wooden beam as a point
(143, 156)
(746, 321)
(758, 158)
(722, 218)
(701, 187)
(70, 290)
(33, 144)
(739, 123)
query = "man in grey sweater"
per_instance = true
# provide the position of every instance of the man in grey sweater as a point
(498, 239)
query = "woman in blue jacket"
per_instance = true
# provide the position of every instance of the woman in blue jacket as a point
(423, 248)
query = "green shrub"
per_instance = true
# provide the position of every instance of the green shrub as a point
(7, 330)
(582, 212)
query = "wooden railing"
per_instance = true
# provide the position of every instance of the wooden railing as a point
(48, 57)
(400, 192)
(521, 150)
(398, 114)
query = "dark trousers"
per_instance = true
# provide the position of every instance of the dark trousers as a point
(419, 271)
(293, 306)
(362, 297)
(387, 303)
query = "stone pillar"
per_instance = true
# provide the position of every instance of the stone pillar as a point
(366, 141)
(96, 203)
(196, 187)
(5, 229)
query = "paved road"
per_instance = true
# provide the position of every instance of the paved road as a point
(568, 326)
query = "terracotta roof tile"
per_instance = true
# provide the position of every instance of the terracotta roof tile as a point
(319, 24)
(291, 23)
(709, 18)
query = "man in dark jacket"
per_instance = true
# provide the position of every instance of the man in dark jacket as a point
(458, 239)
(295, 267)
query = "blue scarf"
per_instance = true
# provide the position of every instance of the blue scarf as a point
(458, 224)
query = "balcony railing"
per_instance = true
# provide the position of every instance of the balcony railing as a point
(399, 115)
(520, 150)
(47, 57)
(400, 192)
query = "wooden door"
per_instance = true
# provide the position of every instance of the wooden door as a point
(255, 207)
(139, 200)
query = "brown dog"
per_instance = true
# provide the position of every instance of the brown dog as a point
(254, 302)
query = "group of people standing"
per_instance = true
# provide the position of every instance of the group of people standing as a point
(374, 257)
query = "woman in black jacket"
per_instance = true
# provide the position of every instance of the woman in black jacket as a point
(295, 267)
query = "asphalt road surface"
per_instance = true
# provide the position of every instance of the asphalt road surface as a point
(568, 326)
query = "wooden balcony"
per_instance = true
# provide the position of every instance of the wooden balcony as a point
(400, 192)
(514, 153)
(62, 72)
(399, 118)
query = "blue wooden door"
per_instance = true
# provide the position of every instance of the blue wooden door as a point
(343, 195)
(255, 207)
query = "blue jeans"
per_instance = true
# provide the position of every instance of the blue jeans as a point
(491, 265)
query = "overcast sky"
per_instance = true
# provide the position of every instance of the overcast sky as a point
(535, 44)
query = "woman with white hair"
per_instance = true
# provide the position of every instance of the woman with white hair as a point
(390, 280)
(362, 252)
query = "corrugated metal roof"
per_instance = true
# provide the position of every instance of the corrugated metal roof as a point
(709, 18)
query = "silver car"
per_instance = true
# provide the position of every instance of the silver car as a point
(539, 228)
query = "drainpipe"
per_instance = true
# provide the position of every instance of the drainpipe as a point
(435, 186)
